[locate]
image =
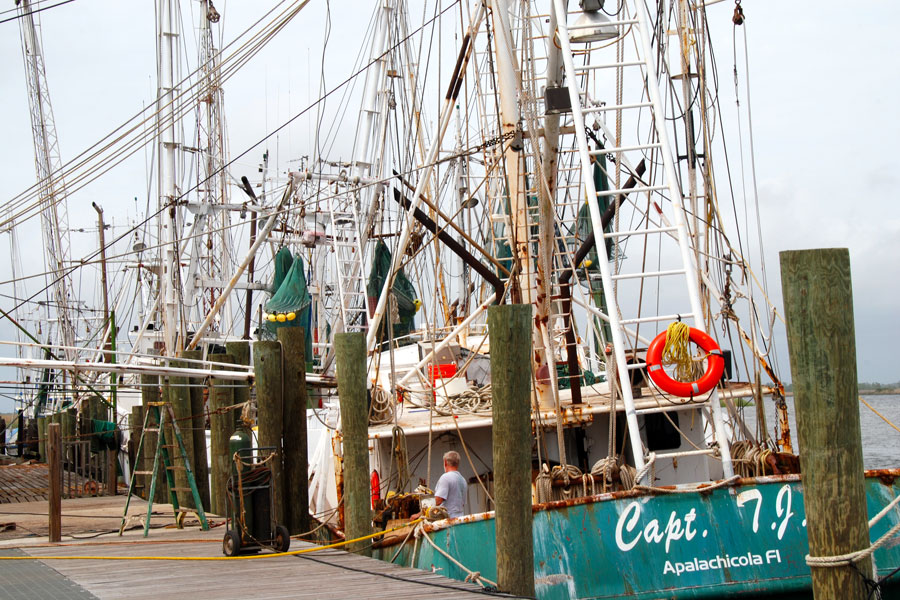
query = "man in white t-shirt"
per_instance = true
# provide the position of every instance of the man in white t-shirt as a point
(451, 488)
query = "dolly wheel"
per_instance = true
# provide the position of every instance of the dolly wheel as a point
(231, 545)
(282, 538)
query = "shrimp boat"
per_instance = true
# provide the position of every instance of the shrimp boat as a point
(573, 166)
(574, 126)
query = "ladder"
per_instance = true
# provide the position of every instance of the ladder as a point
(346, 241)
(654, 227)
(163, 415)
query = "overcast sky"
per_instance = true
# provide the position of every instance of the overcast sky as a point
(823, 78)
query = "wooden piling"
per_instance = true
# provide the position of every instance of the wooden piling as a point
(68, 424)
(296, 490)
(150, 392)
(198, 411)
(818, 306)
(241, 353)
(97, 409)
(137, 461)
(179, 395)
(350, 351)
(112, 471)
(42, 438)
(221, 426)
(269, 412)
(510, 333)
(54, 445)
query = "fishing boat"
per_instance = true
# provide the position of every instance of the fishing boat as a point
(574, 166)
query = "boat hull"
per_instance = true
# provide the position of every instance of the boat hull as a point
(746, 539)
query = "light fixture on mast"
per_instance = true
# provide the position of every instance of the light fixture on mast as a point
(592, 25)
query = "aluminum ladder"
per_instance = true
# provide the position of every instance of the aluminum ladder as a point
(348, 248)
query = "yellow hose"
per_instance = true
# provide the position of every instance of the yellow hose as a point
(247, 557)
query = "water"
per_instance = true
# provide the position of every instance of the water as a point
(881, 442)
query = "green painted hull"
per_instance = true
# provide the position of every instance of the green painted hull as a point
(748, 540)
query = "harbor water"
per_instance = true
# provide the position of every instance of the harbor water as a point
(881, 442)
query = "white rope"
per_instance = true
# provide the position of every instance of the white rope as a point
(844, 560)
(651, 459)
(471, 575)
(884, 511)
(689, 490)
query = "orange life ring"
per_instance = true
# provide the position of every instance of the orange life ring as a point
(715, 366)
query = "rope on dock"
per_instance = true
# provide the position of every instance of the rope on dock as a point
(211, 558)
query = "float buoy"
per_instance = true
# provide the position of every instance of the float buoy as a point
(715, 366)
(375, 480)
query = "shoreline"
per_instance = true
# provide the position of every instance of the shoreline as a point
(890, 392)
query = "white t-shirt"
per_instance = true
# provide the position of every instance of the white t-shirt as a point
(452, 488)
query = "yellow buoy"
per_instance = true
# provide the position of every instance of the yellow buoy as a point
(281, 318)
(271, 318)
(291, 316)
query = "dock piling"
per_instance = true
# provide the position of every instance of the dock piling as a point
(350, 351)
(267, 368)
(510, 331)
(179, 395)
(221, 426)
(296, 487)
(818, 307)
(54, 445)
(200, 465)
(241, 353)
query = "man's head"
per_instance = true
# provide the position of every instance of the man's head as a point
(451, 460)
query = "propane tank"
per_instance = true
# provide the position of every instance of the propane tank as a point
(239, 440)
(241, 508)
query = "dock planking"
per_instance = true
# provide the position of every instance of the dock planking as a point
(324, 574)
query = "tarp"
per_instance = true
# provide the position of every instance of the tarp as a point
(291, 296)
(283, 262)
(402, 293)
(583, 225)
(104, 435)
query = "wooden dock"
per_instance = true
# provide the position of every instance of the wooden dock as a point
(87, 526)
(324, 574)
(24, 483)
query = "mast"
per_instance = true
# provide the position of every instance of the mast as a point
(214, 247)
(54, 215)
(167, 29)
(686, 38)
(532, 284)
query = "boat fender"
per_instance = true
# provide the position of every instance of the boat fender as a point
(376, 488)
(715, 366)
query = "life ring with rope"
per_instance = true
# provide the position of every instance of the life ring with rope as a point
(715, 365)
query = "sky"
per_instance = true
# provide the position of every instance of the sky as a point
(822, 94)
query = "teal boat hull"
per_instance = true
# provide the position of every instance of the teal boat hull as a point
(747, 540)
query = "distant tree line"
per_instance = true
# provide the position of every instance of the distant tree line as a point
(864, 386)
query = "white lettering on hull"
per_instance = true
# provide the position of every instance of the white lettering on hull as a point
(721, 562)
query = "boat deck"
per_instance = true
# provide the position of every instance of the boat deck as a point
(595, 401)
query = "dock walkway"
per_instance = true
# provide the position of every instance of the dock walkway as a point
(322, 574)
(326, 574)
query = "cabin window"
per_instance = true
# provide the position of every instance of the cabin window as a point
(661, 435)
